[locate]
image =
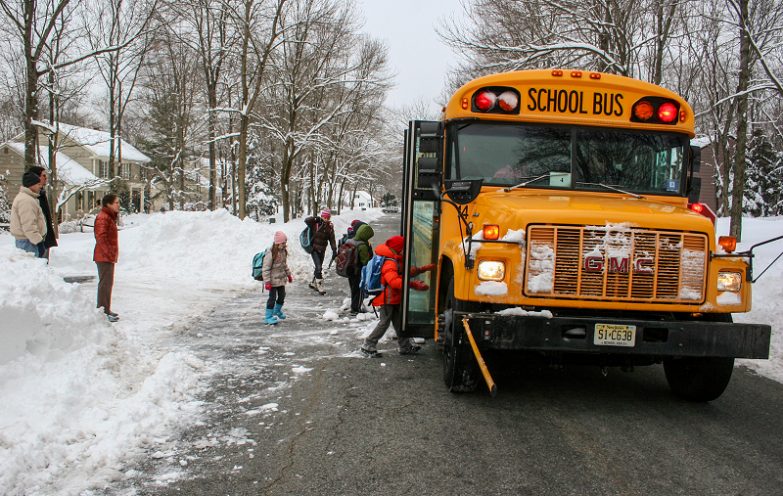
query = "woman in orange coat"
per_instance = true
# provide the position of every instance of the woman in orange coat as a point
(106, 251)
(389, 301)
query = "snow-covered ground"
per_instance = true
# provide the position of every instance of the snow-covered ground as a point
(79, 396)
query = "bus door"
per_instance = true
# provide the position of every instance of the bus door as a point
(420, 215)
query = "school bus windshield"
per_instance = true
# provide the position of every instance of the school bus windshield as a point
(568, 157)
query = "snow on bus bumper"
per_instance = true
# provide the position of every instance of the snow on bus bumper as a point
(620, 336)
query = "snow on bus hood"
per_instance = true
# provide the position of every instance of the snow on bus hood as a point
(517, 208)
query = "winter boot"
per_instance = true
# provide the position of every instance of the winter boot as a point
(313, 284)
(319, 286)
(278, 312)
(270, 317)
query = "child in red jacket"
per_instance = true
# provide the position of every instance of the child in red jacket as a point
(389, 301)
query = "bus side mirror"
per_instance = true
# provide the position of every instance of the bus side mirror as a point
(463, 191)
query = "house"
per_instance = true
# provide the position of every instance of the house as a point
(82, 162)
(359, 199)
(196, 188)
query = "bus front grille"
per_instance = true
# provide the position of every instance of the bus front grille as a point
(615, 263)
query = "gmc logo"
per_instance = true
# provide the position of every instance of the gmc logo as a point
(618, 265)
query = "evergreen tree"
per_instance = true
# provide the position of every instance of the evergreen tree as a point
(762, 185)
(260, 182)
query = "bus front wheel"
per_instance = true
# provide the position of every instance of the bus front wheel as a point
(697, 378)
(459, 365)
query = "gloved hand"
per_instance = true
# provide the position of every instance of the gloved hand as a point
(426, 268)
(418, 285)
(268, 286)
(290, 278)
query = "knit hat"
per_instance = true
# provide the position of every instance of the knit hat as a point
(30, 179)
(396, 243)
(280, 238)
(326, 214)
(356, 223)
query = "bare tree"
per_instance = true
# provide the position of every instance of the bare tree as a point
(259, 25)
(121, 24)
(214, 39)
(33, 23)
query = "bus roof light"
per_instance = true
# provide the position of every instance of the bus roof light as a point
(465, 104)
(643, 110)
(595, 75)
(508, 101)
(667, 112)
(557, 73)
(485, 100)
(576, 74)
(683, 115)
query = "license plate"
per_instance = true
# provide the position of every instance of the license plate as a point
(614, 335)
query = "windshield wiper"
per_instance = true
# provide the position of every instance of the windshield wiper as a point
(535, 179)
(637, 196)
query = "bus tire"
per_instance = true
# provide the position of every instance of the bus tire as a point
(698, 378)
(460, 372)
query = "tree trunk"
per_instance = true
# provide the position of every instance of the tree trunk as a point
(212, 123)
(738, 188)
(31, 91)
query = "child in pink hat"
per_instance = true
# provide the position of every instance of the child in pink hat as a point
(276, 274)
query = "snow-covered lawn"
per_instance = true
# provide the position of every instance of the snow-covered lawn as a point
(79, 396)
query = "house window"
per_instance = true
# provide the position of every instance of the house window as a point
(103, 169)
(125, 171)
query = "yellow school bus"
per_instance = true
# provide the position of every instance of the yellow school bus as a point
(555, 205)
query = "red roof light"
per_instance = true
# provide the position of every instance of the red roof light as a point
(667, 112)
(485, 100)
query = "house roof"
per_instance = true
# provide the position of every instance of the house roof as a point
(69, 171)
(98, 143)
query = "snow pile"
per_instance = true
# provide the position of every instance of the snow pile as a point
(492, 288)
(75, 389)
(81, 397)
(767, 291)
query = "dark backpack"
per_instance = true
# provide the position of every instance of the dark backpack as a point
(306, 239)
(258, 264)
(371, 283)
(347, 259)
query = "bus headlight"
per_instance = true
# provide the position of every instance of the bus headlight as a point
(490, 270)
(729, 281)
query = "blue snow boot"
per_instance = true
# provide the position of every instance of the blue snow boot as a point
(270, 317)
(278, 312)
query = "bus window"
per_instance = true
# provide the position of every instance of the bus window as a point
(505, 155)
(549, 156)
(634, 161)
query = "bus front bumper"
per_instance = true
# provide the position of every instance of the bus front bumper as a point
(638, 337)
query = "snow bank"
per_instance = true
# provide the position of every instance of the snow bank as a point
(80, 396)
(75, 390)
(767, 291)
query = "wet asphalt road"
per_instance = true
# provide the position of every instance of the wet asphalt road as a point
(297, 411)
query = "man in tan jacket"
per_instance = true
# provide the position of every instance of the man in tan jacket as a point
(28, 224)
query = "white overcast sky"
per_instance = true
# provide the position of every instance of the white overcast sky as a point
(417, 57)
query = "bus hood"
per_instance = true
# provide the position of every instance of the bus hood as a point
(514, 210)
